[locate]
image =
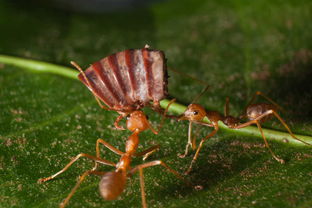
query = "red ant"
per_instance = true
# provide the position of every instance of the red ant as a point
(256, 114)
(113, 183)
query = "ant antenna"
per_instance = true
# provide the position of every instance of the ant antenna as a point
(200, 94)
(164, 114)
(187, 75)
(259, 93)
(227, 107)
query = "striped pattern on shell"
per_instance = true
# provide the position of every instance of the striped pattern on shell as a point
(128, 80)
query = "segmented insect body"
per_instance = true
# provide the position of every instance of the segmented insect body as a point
(128, 80)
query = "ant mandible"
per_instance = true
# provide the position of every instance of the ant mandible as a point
(113, 183)
(256, 113)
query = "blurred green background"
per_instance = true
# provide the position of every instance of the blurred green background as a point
(237, 47)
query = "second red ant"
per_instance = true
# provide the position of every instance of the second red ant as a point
(255, 113)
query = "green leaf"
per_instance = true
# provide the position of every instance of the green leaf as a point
(237, 47)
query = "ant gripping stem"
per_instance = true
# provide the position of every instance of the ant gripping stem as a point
(255, 113)
(260, 112)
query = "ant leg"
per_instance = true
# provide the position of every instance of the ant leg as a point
(142, 186)
(189, 141)
(267, 144)
(164, 114)
(108, 146)
(270, 100)
(96, 159)
(81, 178)
(227, 107)
(256, 121)
(194, 139)
(146, 153)
(116, 123)
(258, 93)
(200, 146)
(243, 115)
(228, 120)
(203, 123)
(154, 163)
(248, 123)
(159, 162)
(156, 107)
(288, 129)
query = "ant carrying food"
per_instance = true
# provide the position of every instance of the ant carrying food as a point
(127, 81)
(256, 113)
(113, 183)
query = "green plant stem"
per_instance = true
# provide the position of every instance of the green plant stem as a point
(39, 66)
(176, 108)
(247, 131)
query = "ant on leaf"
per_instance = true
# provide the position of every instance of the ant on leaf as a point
(113, 182)
(255, 113)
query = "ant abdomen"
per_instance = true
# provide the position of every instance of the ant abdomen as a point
(112, 184)
(253, 111)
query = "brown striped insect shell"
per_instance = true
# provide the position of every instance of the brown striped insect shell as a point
(127, 81)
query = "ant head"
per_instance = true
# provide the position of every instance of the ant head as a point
(194, 112)
(137, 120)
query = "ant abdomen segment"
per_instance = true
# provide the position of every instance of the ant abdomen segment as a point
(112, 184)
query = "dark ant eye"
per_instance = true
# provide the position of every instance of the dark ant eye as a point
(147, 117)
(195, 112)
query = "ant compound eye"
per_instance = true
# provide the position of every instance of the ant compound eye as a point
(195, 113)
(147, 117)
